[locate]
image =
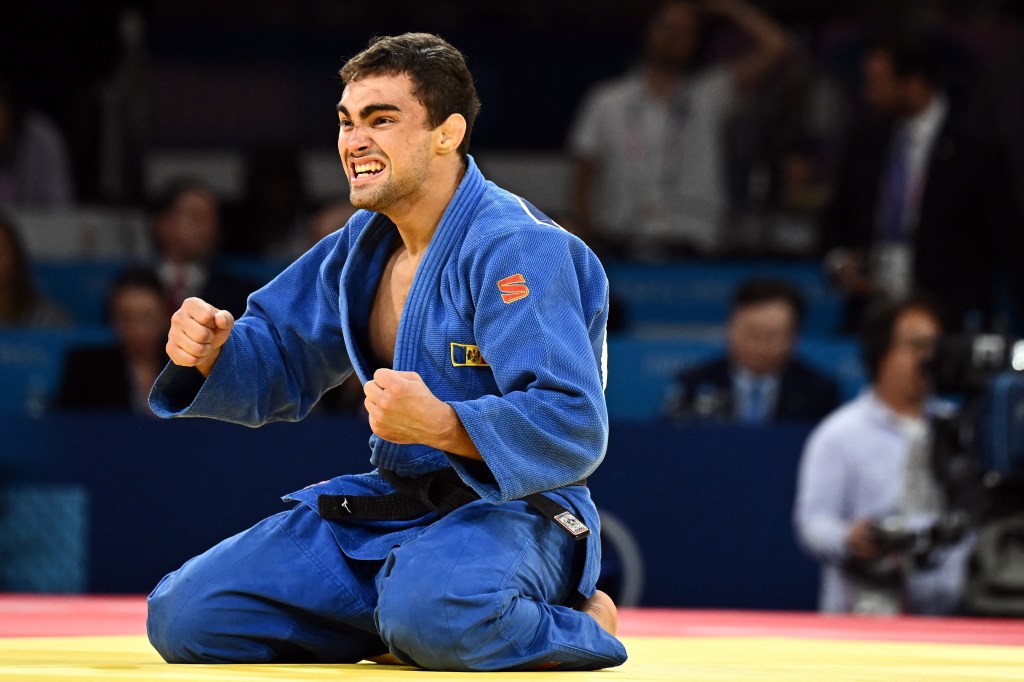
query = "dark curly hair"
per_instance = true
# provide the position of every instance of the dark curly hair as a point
(441, 80)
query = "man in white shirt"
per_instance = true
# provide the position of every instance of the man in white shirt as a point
(865, 466)
(648, 147)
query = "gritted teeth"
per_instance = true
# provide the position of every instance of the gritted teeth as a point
(367, 168)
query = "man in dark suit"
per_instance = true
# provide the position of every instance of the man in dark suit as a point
(919, 201)
(187, 230)
(759, 380)
(119, 376)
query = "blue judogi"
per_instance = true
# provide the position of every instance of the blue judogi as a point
(505, 321)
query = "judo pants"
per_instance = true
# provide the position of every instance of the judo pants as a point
(481, 589)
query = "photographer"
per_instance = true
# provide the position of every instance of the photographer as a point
(865, 486)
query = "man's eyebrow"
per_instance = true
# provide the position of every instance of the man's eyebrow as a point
(369, 109)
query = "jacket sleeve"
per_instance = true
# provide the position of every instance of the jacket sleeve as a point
(541, 307)
(281, 356)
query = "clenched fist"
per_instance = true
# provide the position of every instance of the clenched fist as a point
(402, 409)
(198, 331)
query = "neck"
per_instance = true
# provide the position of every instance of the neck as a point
(180, 261)
(418, 217)
(917, 105)
(900, 402)
(661, 82)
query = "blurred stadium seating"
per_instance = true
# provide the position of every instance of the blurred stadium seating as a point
(667, 296)
(83, 233)
(80, 287)
(31, 362)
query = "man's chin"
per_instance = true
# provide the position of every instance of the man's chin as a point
(365, 201)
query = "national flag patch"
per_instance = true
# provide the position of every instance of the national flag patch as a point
(467, 355)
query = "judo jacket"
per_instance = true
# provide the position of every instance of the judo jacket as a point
(505, 321)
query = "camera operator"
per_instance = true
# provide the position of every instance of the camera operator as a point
(867, 504)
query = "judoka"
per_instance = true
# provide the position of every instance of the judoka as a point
(477, 327)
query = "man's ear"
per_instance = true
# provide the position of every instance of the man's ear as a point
(448, 135)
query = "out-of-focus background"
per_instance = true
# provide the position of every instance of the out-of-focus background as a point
(151, 149)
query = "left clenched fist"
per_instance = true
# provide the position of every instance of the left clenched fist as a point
(402, 409)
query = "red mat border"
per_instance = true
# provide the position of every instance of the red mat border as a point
(687, 623)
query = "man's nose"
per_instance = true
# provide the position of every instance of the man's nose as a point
(357, 140)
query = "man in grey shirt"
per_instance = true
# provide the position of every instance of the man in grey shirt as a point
(648, 147)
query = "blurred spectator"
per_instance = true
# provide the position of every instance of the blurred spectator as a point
(325, 219)
(649, 174)
(760, 380)
(21, 304)
(187, 229)
(801, 133)
(919, 196)
(329, 218)
(796, 196)
(35, 169)
(123, 99)
(119, 376)
(867, 468)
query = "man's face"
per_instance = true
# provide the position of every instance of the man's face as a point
(761, 336)
(190, 229)
(140, 320)
(883, 88)
(913, 341)
(384, 142)
(672, 35)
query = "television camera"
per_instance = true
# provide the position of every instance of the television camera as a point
(970, 470)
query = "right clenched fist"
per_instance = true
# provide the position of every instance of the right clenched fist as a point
(198, 330)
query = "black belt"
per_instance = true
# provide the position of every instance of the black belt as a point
(441, 491)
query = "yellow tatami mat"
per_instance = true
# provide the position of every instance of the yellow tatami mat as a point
(719, 659)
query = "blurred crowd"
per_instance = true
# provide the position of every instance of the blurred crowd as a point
(879, 138)
(880, 141)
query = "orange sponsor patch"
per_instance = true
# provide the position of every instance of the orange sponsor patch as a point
(513, 288)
